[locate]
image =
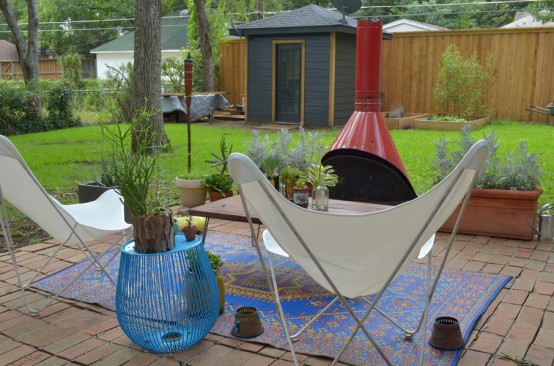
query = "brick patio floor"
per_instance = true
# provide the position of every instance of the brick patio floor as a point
(519, 322)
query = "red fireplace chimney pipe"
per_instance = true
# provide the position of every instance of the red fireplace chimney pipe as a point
(366, 129)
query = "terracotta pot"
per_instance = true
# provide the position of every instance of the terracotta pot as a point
(190, 232)
(498, 212)
(215, 195)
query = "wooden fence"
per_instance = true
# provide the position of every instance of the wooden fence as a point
(233, 69)
(522, 72)
(50, 68)
(522, 69)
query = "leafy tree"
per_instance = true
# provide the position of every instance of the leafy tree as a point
(65, 27)
(71, 63)
(543, 10)
(27, 49)
(86, 24)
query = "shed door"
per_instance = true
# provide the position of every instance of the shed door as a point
(288, 82)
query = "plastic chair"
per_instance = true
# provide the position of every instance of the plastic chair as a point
(69, 224)
(375, 247)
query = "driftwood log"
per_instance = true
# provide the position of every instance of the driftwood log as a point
(153, 234)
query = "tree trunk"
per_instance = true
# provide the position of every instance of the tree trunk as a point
(146, 83)
(203, 34)
(26, 50)
(153, 234)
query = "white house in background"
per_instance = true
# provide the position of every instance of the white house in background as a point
(526, 20)
(407, 25)
(121, 50)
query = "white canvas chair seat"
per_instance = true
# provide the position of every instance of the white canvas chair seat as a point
(355, 255)
(69, 224)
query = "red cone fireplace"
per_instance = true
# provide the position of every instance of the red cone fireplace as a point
(364, 155)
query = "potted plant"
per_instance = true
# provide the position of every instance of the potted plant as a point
(321, 176)
(216, 262)
(136, 173)
(459, 93)
(192, 190)
(90, 191)
(287, 178)
(220, 185)
(188, 228)
(266, 155)
(300, 192)
(505, 198)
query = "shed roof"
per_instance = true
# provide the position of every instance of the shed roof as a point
(316, 18)
(412, 24)
(174, 37)
(8, 51)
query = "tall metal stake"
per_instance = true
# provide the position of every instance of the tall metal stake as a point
(188, 98)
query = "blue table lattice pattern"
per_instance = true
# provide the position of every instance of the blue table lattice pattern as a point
(166, 302)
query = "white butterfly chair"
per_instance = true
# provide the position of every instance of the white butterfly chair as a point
(69, 224)
(374, 247)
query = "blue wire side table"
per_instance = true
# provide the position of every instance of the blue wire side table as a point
(166, 302)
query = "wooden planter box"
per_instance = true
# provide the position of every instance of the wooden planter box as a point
(497, 212)
(424, 124)
(403, 123)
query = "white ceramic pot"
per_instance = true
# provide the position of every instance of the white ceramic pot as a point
(192, 191)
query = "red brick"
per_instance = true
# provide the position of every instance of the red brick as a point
(8, 358)
(540, 356)
(487, 343)
(516, 297)
(81, 348)
(499, 325)
(544, 288)
(31, 359)
(524, 331)
(98, 354)
(545, 338)
(537, 301)
(473, 358)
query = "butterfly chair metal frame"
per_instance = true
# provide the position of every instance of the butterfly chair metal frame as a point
(273, 248)
(278, 215)
(66, 223)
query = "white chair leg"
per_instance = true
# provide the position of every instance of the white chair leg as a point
(280, 311)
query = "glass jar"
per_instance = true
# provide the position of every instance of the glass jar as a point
(320, 198)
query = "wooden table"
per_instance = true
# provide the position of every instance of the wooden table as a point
(231, 209)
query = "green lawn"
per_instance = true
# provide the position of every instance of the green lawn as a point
(61, 159)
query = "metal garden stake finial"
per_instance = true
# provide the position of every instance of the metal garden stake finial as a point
(188, 98)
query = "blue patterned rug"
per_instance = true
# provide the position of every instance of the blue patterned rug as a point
(462, 295)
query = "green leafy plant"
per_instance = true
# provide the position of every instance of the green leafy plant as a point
(136, 173)
(220, 161)
(215, 260)
(173, 73)
(517, 361)
(300, 183)
(445, 118)
(290, 174)
(319, 174)
(221, 183)
(519, 170)
(59, 104)
(461, 84)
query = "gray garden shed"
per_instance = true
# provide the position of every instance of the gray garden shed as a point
(301, 67)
